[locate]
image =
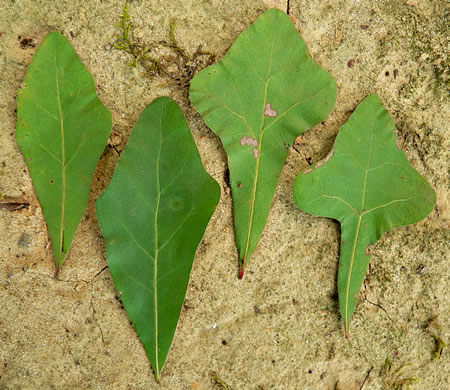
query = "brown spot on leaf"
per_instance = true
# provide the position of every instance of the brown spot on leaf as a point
(248, 141)
(269, 111)
(240, 185)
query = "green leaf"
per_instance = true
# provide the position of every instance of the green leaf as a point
(265, 92)
(369, 186)
(62, 130)
(153, 216)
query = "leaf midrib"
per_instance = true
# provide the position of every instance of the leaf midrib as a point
(155, 281)
(63, 166)
(255, 181)
(358, 228)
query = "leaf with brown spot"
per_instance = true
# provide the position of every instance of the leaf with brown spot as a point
(265, 92)
(370, 187)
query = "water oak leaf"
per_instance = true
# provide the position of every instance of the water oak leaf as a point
(369, 186)
(62, 130)
(258, 99)
(153, 216)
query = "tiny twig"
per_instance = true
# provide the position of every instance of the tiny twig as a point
(379, 306)
(366, 378)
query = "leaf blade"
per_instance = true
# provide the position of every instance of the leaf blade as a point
(153, 216)
(62, 129)
(263, 94)
(369, 187)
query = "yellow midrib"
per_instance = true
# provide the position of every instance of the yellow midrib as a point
(155, 282)
(361, 214)
(255, 182)
(63, 166)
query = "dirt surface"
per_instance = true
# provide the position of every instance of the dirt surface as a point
(279, 328)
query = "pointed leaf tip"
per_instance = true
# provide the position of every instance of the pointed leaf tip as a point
(153, 216)
(62, 130)
(370, 187)
(265, 92)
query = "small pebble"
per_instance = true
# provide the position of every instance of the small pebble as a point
(351, 63)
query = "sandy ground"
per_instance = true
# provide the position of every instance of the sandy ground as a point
(279, 328)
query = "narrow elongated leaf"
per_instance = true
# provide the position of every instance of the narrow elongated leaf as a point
(153, 216)
(62, 129)
(369, 186)
(263, 94)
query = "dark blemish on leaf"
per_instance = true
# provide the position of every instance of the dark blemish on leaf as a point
(255, 152)
(51, 181)
(309, 170)
(248, 141)
(240, 185)
(351, 63)
(329, 155)
(397, 142)
(402, 177)
(269, 111)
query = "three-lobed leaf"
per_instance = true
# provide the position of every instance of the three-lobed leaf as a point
(264, 93)
(369, 186)
(62, 130)
(153, 216)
